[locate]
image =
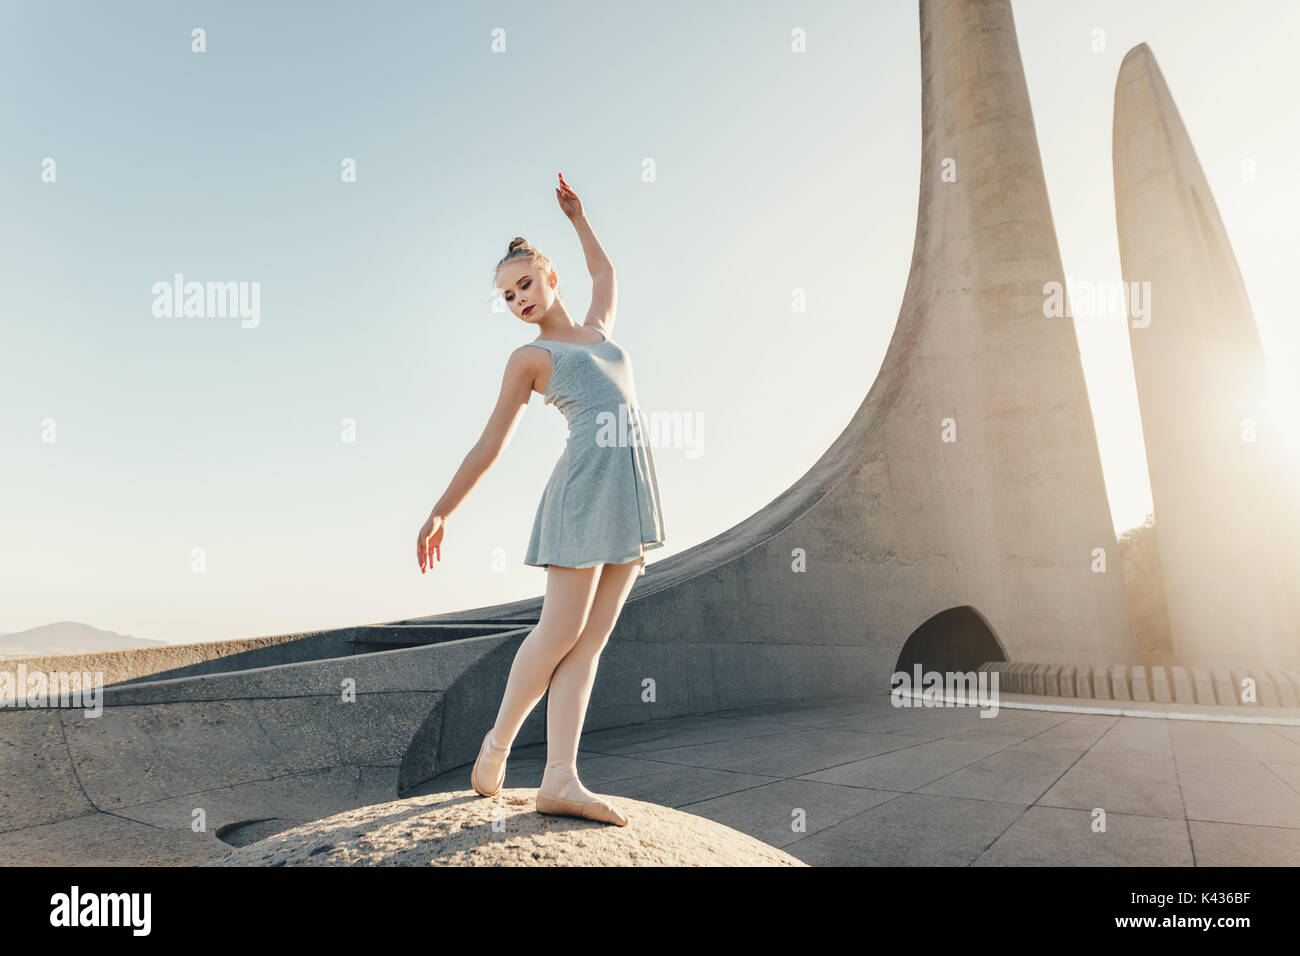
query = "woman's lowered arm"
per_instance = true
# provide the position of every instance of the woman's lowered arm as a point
(516, 390)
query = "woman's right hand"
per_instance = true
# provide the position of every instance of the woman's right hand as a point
(429, 541)
(569, 202)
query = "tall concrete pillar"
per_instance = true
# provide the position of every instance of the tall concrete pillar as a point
(1226, 527)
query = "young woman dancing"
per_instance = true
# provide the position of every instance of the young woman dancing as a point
(598, 515)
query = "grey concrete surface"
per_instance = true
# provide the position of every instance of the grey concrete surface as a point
(182, 660)
(287, 743)
(149, 665)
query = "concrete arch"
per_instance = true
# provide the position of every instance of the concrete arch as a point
(958, 639)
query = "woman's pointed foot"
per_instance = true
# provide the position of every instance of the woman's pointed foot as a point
(489, 770)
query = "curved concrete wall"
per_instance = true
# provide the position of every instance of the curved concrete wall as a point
(184, 660)
(278, 742)
(222, 657)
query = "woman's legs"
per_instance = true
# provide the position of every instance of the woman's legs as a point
(569, 593)
(570, 687)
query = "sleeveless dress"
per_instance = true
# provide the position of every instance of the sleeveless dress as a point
(601, 504)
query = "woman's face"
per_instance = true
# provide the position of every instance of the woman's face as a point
(527, 292)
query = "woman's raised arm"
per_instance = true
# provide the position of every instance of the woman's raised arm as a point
(604, 288)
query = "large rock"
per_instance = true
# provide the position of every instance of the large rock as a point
(462, 828)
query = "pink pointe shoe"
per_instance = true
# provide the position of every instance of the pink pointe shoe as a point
(598, 809)
(488, 780)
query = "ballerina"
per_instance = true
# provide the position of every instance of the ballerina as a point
(599, 513)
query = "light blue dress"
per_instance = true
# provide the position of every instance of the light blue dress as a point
(601, 504)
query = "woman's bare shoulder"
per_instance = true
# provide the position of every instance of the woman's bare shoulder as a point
(529, 363)
(529, 356)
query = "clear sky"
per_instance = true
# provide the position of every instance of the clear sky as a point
(774, 171)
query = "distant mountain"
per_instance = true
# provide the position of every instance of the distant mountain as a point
(68, 637)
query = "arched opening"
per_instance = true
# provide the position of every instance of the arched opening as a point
(958, 639)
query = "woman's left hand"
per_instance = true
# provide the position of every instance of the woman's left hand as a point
(568, 199)
(429, 541)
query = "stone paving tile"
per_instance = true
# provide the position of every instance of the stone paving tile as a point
(912, 830)
(835, 709)
(939, 720)
(1143, 784)
(1050, 836)
(1196, 740)
(1043, 720)
(779, 724)
(798, 708)
(909, 768)
(1229, 791)
(1077, 732)
(601, 768)
(1011, 727)
(655, 726)
(680, 786)
(848, 719)
(908, 727)
(909, 720)
(745, 754)
(657, 735)
(1010, 776)
(1231, 844)
(1142, 735)
(1289, 773)
(770, 812)
(1286, 730)
(848, 705)
(821, 755)
(1265, 744)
